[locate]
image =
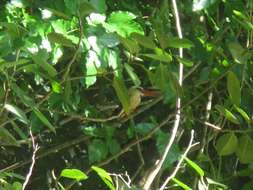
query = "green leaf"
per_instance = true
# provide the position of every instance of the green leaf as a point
(122, 93)
(143, 40)
(58, 38)
(243, 20)
(18, 112)
(43, 119)
(239, 54)
(104, 176)
(195, 166)
(92, 64)
(74, 174)
(181, 184)
(28, 101)
(123, 24)
(132, 75)
(184, 61)
(199, 5)
(41, 59)
(97, 151)
(113, 146)
(56, 86)
(7, 139)
(175, 42)
(234, 89)
(85, 8)
(243, 114)
(159, 56)
(100, 5)
(244, 149)
(131, 45)
(227, 114)
(7, 65)
(226, 144)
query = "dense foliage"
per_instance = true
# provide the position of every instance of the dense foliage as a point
(86, 85)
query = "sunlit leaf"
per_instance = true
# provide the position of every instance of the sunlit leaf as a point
(18, 112)
(184, 61)
(195, 166)
(175, 42)
(181, 184)
(227, 114)
(199, 5)
(74, 174)
(115, 24)
(243, 114)
(104, 176)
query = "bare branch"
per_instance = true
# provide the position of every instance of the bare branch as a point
(179, 163)
(35, 149)
(157, 168)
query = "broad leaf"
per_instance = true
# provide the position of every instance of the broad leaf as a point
(244, 149)
(234, 89)
(131, 45)
(18, 112)
(239, 54)
(159, 56)
(74, 174)
(104, 176)
(123, 24)
(227, 144)
(58, 38)
(186, 62)
(122, 93)
(97, 151)
(145, 41)
(175, 42)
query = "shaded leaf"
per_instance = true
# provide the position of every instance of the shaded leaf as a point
(184, 61)
(143, 40)
(132, 75)
(175, 42)
(234, 89)
(58, 38)
(239, 54)
(122, 93)
(244, 149)
(97, 151)
(74, 174)
(7, 139)
(226, 144)
(131, 45)
(159, 56)
(43, 119)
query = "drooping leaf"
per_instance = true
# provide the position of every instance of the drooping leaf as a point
(186, 62)
(132, 75)
(239, 54)
(143, 40)
(227, 114)
(199, 5)
(181, 184)
(104, 176)
(131, 45)
(58, 38)
(195, 166)
(6, 138)
(28, 101)
(97, 151)
(116, 20)
(244, 149)
(18, 112)
(43, 119)
(122, 93)
(227, 144)
(175, 42)
(243, 114)
(74, 174)
(234, 90)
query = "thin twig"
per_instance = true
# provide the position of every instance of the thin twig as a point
(179, 163)
(157, 168)
(35, 149)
